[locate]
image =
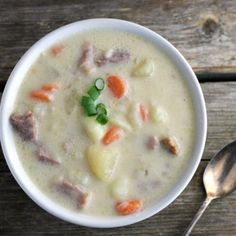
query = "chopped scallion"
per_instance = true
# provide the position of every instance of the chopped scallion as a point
(90, 109)
(86, 100)
(89, 102)
(93, 93)
(89, 106)
(102, 119)
(101, 109)
(99, 84)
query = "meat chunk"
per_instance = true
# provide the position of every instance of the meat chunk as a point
(74, 192)
(86, 61)
(113, 56)
(152, 143)
(24, 124)
(170, 144)
(45, 156)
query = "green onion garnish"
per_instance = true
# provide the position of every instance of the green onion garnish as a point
(102, 119)
(89, 102)
(93, 93)
(90, 109)
(101, 109)
(86, 100)
(99, 84)
(89, 106)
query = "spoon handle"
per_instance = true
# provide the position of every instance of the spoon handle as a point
(203, 207)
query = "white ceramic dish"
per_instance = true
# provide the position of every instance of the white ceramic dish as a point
(8, 100)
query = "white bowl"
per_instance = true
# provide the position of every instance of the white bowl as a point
(7, 139)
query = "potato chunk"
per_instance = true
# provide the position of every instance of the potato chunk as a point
(158, 114)
(93, 129)
(144, 69)
(120, 188)
(102, 161)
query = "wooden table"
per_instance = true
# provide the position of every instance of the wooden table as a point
(204, 32)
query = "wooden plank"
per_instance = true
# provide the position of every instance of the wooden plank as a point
(21, 216)
(221, 109)
(204, 31)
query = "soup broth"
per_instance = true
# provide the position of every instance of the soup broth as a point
(104, 123)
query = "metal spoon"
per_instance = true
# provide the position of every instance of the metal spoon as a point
(219, 179)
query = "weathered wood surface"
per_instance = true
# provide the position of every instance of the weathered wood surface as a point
(20, 216)
(204, 31)
(221, 110)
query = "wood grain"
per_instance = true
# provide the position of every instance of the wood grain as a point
(221, 110)
(204, 31)
(20, 216)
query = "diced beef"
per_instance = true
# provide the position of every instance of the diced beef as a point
(119, 56)
(24, 124)
(74, 192)
(170, 144)
(113, 56)
(86, 61)
(152, 142)
(45, 156)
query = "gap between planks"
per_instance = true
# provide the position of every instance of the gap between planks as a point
(202, 78)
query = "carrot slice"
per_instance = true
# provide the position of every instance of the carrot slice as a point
(129, 207)
(113, 134)
(144, 112)
(51, 86)
(57, 50)
(117, 85)
(41, 95)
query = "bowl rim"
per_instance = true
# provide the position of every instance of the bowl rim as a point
(42, 200)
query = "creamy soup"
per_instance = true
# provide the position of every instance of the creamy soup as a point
(104, 123)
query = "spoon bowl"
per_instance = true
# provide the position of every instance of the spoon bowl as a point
(219, 179)
(220, 174)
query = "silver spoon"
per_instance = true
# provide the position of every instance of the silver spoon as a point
(219, 179)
